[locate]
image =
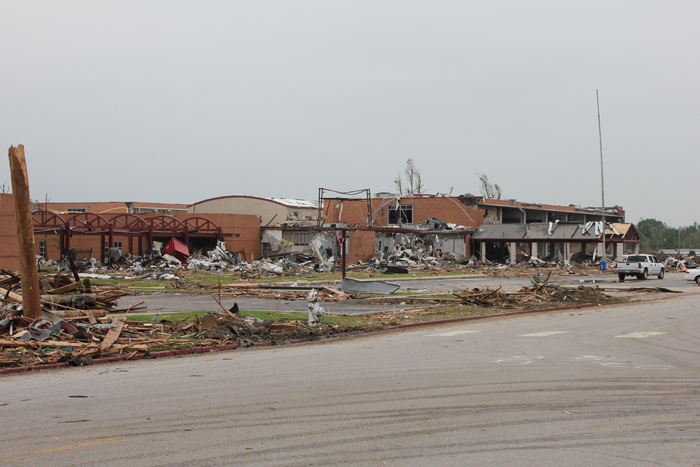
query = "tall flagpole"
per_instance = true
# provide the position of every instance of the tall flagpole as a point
(602, 180)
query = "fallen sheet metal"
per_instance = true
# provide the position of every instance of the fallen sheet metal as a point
(368, 286)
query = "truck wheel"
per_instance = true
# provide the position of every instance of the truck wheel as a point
(661, 274)
(622, 277)
(643, 275)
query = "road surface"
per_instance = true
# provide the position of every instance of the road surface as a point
(441, 285)
(608, 386)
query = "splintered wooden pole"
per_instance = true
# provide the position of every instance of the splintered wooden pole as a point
(31, 304)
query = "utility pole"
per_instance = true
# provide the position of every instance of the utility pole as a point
(602, 179)
(31, 300)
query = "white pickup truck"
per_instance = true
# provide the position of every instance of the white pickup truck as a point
(641, 266)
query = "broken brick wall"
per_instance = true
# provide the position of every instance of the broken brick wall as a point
(9, 247)
(360, 246)
(491, 215)
(245, 229)
(354, 212)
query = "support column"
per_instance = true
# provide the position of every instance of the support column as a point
(533, 250)
(636, 248)
(468, 246)
(482, 248)
(513, 250)
(599, 250)
(567, 252)
(102, 249)
(619, 251)
(344, 250)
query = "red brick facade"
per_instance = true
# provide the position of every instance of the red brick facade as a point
(360, 246)
(354, 212)
(9, 247)
(241, 232)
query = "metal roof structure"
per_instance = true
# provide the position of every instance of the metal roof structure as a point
(549, 232)
(533, 232)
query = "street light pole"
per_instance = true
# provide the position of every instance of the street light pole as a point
(602, 179)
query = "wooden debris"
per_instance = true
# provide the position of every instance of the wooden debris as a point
(283, 327)
(112, 335)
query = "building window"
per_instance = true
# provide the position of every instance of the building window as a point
(116, 245)
(401, 214)
(76, 210)
(42, 249)
(298, 238)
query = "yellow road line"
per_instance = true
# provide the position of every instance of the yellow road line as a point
(64, 448)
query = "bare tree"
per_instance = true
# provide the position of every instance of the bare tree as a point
(486, 189)
(414, 183)
(419, 188)
(398, 182)
(410, 171)
(4, 188)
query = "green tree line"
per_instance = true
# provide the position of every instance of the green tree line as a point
(656, 235)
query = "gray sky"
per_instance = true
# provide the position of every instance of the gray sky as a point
(183, 101)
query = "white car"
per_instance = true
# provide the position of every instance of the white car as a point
(693, 275)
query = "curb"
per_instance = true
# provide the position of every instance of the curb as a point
(219, 348)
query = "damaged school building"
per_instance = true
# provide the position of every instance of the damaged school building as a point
(353, 226)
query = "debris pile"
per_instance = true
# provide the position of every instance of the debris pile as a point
(51, 339)
(62, 295)
(280, 292)
(679, 263)
(540, 292)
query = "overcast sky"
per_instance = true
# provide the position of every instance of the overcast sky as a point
(183, 101)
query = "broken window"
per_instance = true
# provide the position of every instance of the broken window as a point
(401, 214)
(298, 238)
(116, 245)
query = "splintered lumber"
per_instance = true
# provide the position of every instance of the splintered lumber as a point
(46, 344)
(11, 295)
(112, 335)
(73, 313)
(284, 327)
(332, 290)
(478, 297)
(111, 297)
(67, 299)
(65, 289)
(91, 317)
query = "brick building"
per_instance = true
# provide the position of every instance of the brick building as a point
(91, 227)
(9, 247)
(271, 211)
(401, 210)
(114, 207)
